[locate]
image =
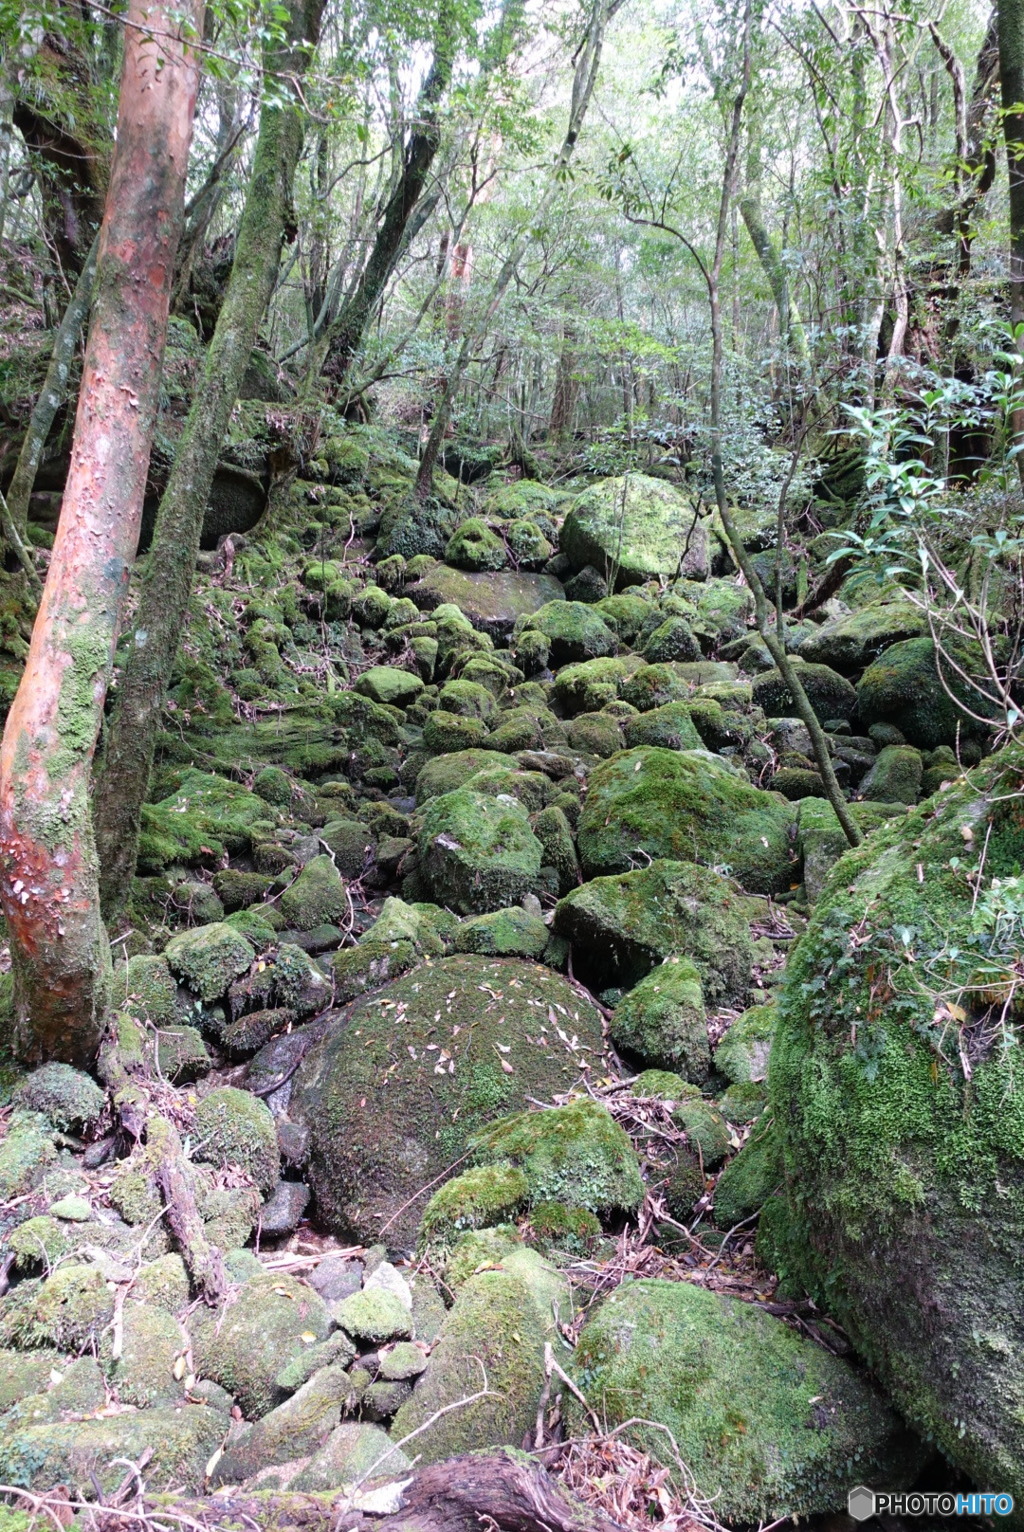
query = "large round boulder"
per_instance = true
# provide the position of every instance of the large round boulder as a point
(685, 804)
(635, 528)
(897, 1087)
(406, 1075)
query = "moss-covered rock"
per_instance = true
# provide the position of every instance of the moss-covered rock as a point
(769, 1424)
(233, 1127)
(742, 1054)
(592, 684)
(669, 726)
(558, 848)
(674, 804)
(895, 776)
(387, 684)
(750, 1178)
(850, 642)
(574, 632)
(70, 1309)
(503, 933)
(661, 1021)
(83, 1453)
(477, 853)
(355, 1452)
(575, 1154)
(622, 927)
(454, 770)
(245, 1343)
(208, 958)
(317, 896)
(374, 1315)
(26, 1150)
(823, 841)
(635, 528)
(391, 1097)
(23, 1373)
(66, 1097)
(474, 546)
(295, 1429)
(895, 1160)
(206, 817)
(496, 1330)
(478, 1198)
(672, 639)
(831, 695)
(151, 1343)
(151, 990)
(595, 734)
(903, 687)
(493, 602)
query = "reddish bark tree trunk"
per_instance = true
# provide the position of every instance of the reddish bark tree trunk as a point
(48, 875)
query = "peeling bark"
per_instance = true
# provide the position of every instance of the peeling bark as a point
(48, 884)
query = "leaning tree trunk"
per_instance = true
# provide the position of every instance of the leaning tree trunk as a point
(48, 884)
(131, 735)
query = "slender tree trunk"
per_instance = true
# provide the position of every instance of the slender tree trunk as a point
(346, 333)
(563, 405)
(48, 882)
(791, 325)
(587, 65)
(52, 395)
(1011, 80)
(167, 587)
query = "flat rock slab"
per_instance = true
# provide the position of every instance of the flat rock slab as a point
(491, 601)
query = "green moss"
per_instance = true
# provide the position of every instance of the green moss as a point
(496, 1330)
(475, 1249)
(655, 686)
(66, 1097)
(477, 853)
(675, 804)
(669, 726)
(387, 684)
(317, 896)
(25, 1152)
(81, 1453)
(590, 685)
(830, 694)
(244, 1344)
(622, 927)
(574, 632)
(769, 1424)
(69, 1310)
(850, 642)
(895, 777)
(707, 1132)
(484, 1195)
(151, 1343)
(206, 817)
(664, 1084)
(234, 1128)
(374, 1315)
(455, 770)
(391, 1097)
(661, 1021)
(575, 1154)
(209, 958)
(446, 733)
(902, 687)
(749, 1179)
(295, 1429)
(38, 1242)
(553, 1226)
(474, 546)
(150, 989)
(742, 1054)
(163, 1283)
(503, 933)
(369, 965)
(634, 528)
(671, 640)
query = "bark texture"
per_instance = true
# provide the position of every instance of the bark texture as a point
(48, 883)
(132, 733)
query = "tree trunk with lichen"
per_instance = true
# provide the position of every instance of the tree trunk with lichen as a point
(167, 588)
(48, 874)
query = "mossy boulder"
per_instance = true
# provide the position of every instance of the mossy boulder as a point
(206, 817)
(245, 1343)
(387, 684)
(635, 528)
(70, 1309)
(355, 1452)
(592, 684)
(896, 1158)
(151, 990)
(479, 1198)
(391, 1096)
(742, 1054)
(503, 933)
(769, 1424)
(622, 927)
(81, 1454)
(152, 1340)
(493, 602)
(669, 726)
(652, 686)
(850, 642)
(574, 632)
(477, 853)
(558, 848)
(455, 769)
(233, 1127)
(374, 1315)
(823, 841)
(831, 695)
(673, 804)
(575, 1154)
(750, 1178)
(26, 1150)
(316, 897)
(475, 547)
(209, 958)
(66, 1097)
(496, 1331)
(661, 1021)
(672, 639)
(895, 776)
(902, 687)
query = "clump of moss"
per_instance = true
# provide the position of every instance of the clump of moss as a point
(245, 1344)
(662, 1022)
(209, 958)
(503, 933)
(554, 1226)
(25, 1151)
(484, 1195)
(768, 1423)
(235, 1128)
(477, 853)
(316, 897)
(574, 632)
(66, 1097)
(575, 1154)
(70, 1309)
